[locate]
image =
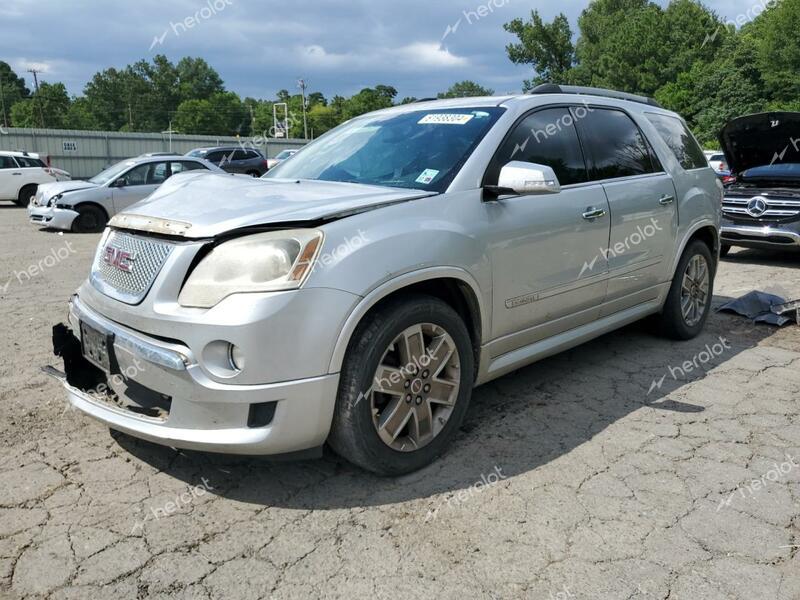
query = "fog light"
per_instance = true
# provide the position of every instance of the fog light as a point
(236, 357)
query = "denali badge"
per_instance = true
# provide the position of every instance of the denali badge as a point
(119, 258)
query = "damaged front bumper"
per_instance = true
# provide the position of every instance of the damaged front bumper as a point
(154, 390)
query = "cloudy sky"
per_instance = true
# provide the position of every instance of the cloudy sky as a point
(261, 46)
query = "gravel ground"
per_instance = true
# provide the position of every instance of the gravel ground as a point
(578, 477)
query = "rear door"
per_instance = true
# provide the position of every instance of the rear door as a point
(641, 197)
(10, 178)
(548, 272)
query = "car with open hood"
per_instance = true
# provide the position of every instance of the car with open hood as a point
(356, 294)
(86, 206)
(761, 208)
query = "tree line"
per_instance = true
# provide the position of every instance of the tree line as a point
(684, 55)
(187, 97)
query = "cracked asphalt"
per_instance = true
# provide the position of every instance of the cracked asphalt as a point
(574, 478)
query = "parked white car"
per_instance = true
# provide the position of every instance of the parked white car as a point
(716, 159)
(86, 206)
(282, 156)
(22, 172)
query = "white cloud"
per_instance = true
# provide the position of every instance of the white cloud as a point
(411, 57)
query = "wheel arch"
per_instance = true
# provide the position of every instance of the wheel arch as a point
(705, 231)
(78, 205)
(453, 285)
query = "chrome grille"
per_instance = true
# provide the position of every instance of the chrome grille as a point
(145, 258)
(775, 208)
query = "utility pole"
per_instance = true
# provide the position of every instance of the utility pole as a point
(36, 97)
(301, 83)
(170, 132)
(3, 101)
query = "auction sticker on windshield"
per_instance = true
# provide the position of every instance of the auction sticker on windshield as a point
(427, 176)
(445, 119)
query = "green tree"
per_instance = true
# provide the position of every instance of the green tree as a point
(367, 100)
(49, 107)
(12, 89)
(465, 89)
(547, 47)
(775, 37)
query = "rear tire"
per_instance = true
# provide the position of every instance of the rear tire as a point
(689, 300)
(24, 197)
(724, 249)
(392, 433)
(90, 219)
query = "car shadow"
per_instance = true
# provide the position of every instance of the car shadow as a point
(517, 423)
(754, 256)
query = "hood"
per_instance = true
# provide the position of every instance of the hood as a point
(206, 204)
(760, 140)
(48, 190)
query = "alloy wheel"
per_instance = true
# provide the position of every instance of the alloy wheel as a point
(415, 387)
(695, 290)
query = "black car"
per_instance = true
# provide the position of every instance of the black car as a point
(761, 208)
(234, 159)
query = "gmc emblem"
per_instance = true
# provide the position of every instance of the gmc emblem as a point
(119, 258)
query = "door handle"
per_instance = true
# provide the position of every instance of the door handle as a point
(594, 213)
(666, 199)
(16, 174)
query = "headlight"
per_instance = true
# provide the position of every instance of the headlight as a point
(54, 199)
(264, 262)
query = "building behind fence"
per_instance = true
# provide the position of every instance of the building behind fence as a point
(85, 153)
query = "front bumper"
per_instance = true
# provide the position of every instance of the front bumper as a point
(769, 237)
(159, 393)
(52, 217)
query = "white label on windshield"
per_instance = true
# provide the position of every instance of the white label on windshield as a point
(427, 176)
(445, 119)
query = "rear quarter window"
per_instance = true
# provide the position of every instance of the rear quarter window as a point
(680, 140)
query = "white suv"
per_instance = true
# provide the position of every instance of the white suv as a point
(22, 172)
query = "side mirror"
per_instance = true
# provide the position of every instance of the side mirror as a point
(119, 183)
(528, 178)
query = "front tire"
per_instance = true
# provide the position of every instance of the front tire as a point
(405, 386)
(689, 299)
(90, 219)
(24, 197)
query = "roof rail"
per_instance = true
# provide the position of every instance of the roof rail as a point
(552, 88)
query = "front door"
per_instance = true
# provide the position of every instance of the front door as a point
(549, 271)
(138, 183)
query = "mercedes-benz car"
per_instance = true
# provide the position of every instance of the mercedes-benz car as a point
(356, 295)
(762, 204)
(86, 206)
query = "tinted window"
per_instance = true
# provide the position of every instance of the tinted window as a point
(147, 174)
(717, 157)
(6, 162)
(27, 161)
(186, 165)
(215, 157)
(241, 155)
(614, 145)
(546, 137)
(681, 141)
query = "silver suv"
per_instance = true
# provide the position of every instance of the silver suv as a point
(358, 293)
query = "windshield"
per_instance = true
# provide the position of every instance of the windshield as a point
(111, 173)
(422, 149)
